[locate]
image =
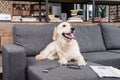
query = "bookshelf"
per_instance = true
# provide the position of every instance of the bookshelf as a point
(25, 11)
(29, 10)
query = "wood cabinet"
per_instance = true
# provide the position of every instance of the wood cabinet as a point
(5, 39)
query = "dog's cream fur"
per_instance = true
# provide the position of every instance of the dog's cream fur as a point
(62, 48)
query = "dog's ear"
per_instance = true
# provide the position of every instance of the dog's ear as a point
(55, 34)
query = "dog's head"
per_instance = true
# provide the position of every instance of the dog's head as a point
(64, 30)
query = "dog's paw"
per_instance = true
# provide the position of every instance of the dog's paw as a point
(63, 61)
(82, 63)
(39, 58)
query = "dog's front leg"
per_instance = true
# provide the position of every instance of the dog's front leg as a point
(81, 61)
(62, 59)
(52, 55)
(50, 49)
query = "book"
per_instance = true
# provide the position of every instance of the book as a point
(106, 71)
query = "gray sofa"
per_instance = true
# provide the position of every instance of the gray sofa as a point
(100, 45)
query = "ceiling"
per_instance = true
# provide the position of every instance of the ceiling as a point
(56, 1)
(70, 1)
(103, 2)
(106, 2)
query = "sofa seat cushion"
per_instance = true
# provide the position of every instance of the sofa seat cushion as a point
(33, 37)
(35, 68)
(116, 51)
(89, 38)
(105, 58)
(111, 36)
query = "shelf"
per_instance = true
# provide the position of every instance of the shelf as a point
(43, 10)
(42, 3)
(34, 10)
(35, 16)
(25, 10)
(113, 12)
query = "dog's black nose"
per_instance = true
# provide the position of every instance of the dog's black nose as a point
(72, 30)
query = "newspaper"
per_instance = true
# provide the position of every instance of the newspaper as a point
(106, 71)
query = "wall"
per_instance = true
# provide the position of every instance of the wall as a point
(56, 9)
(6, 7)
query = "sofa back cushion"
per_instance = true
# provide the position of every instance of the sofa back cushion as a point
(89, 38)
(111, 36)
(33, 37)
(36, 37)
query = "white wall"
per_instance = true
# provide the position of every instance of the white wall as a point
(56, 9)
(89, 8)
(107, 11)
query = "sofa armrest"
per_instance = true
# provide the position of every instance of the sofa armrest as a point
(14, 62)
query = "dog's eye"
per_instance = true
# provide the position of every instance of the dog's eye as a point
(64, 25)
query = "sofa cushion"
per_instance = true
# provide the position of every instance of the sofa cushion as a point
(111, 35)
(105, 58)
(33, 37)
(35, 68)
(35, 71)
(89, 38)
(116, 51)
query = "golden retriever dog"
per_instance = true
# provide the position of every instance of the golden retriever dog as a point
(64, 46)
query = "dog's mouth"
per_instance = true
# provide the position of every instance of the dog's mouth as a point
(68, 35)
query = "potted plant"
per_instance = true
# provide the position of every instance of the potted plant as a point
(102, 13)
(102, 10)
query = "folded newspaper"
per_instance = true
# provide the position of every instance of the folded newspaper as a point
(106, 71)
